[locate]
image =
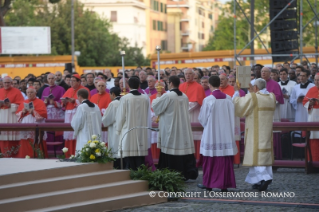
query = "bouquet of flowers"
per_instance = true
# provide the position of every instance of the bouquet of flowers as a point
(95, 151)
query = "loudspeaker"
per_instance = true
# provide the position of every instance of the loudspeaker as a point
(284, 35)
(68, 66)
(284, 32)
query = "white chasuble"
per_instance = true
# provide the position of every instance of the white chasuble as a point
(87, 121)
(175, 135)
(133, 111)
(218, 119)
(259, 110)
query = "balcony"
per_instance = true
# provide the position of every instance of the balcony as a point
(185, 33)
(185, 19)
(186, 46)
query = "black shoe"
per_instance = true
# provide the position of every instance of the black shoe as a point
(255, 186)
(264, 185)
(201, 186)
(224, 190)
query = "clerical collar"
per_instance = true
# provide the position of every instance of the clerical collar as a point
(177, 91)
(304, 85)
(135, 92)
(90, 104)
(109, 79)
(284, 82)
(117, 98)
(215, 90)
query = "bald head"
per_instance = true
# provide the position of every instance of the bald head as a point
(101, 86)
(58, 75)
(31, 93)
(142, 76)
(7, 82)
(265, 73)
(51, 79)
(151, 82)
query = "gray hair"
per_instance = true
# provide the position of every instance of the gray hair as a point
(188, 69)
(260, 83)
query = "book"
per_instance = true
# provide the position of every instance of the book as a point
(28, 106)
(284, 91)
(314, 99)
(6, 100)
(66, 98)
(243, 76)
(51, 96)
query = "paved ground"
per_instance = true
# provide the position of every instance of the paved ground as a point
(304, 188)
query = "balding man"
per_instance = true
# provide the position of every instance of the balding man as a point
(110, 79)
(151, 86)
(258, 107)
(95, 90)
(52, 99)
(10, 98)
(224, 86)
(196, 94)
(37, 113)
(143, 82)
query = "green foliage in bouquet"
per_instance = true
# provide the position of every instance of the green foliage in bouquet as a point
(160, 180)
(95, 151)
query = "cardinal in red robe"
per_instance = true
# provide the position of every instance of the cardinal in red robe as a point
(196, 94)
(9, 140)
(32, 111)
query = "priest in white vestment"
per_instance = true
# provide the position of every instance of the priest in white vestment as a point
(133, 112)
(87, 120)
(286, 85)
(109, 121)
(175, 137)
(298, 93)
(258, 107)
(217, 146)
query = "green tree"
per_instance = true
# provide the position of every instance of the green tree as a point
(223, 37)
(93, 36)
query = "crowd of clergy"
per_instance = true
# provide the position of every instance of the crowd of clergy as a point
(287, 92)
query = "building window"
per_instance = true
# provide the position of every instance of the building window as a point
(210, 16)
(165, 8)
(203, 25)
(154, 25)
(203, 36)
(164, 44)
(113, 16)
(162, 9)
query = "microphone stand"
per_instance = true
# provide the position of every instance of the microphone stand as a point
(138, 127)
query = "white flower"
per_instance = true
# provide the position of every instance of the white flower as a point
(87, 149)
(98, 154)
(86, 145)
(94, 137)
(65, 150)
(92, 145)
(102, 143)
(72, 156)
(27, 157)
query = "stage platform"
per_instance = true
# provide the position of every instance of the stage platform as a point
(51, 185)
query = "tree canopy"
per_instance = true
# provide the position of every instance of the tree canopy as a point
(94, 38)
(223, 37)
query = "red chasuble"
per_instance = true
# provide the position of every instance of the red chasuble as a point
(40, 110)
(194, 91)
(229, 90)
(312, 93)
(71, 93)
(102, 100)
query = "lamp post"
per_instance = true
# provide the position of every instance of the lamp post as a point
(158, 87)
(124, 82)
(72, 33)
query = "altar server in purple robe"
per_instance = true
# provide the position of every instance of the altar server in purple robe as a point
(218, 147)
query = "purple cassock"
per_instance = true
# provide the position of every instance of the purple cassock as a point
(54, 113)
(94, 91)
(274, 87)
(150, 92)
(218, 172)
(242, 93)
(208, 92)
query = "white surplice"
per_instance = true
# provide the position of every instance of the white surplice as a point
(313, 116)
(301, 114)
(134, 111)
(258, 173)
(109, 121)
(8, 116)
(29, 119)
(194, 110)
(87, 121)
(286, 110)
(175, 135)
(217, 115)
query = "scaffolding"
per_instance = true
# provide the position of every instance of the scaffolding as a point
(300, 55)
